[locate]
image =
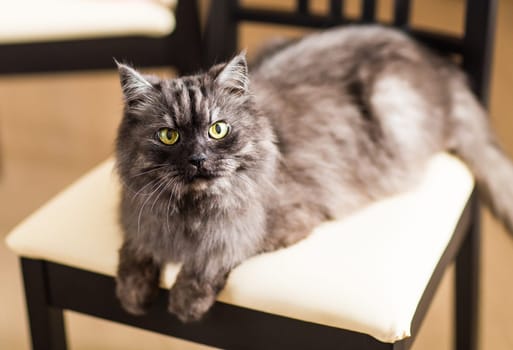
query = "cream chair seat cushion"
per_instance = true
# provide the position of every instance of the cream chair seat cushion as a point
(23, 21)
(365, 273)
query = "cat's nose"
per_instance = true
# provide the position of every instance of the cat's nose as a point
(197, 159)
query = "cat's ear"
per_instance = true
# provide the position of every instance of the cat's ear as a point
(233, 76)
(135, 86)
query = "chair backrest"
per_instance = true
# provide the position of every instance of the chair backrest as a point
(475, 46)
(93, 50)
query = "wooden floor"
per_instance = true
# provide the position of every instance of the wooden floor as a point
(55, 127)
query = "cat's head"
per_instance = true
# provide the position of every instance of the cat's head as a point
(197, 133)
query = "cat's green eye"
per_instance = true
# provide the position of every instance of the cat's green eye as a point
(218, 130)
(168, 136)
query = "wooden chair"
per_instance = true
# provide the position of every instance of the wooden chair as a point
(69, 247)
(39, 36)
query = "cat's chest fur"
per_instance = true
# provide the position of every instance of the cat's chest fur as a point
(197, 229)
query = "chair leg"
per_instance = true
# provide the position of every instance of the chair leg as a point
(467, 285)
(46, 322)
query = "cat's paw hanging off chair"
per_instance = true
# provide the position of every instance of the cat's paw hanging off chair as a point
(194, 293)
(190, 302)
(137, 282)
(136, 296)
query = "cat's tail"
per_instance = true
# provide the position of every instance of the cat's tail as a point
(474, 142)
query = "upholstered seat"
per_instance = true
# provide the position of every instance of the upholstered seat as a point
(32, 21)
(365, 273)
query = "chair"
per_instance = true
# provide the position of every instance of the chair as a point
(365, 282)
(54, 36)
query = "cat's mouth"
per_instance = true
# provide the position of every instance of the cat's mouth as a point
(200, 182)
(201, 176)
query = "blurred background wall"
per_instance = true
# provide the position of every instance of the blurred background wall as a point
(54, 127)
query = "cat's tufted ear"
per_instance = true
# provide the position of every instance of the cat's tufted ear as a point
(135, 86)
(233, 75)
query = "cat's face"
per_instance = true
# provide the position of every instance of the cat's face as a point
(196, 133)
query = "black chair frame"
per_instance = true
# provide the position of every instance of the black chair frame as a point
(181, 49)
(51, 288)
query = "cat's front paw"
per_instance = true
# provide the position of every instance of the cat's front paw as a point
(136, 294)
(190, 301)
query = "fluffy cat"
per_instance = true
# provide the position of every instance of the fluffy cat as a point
(222, 165)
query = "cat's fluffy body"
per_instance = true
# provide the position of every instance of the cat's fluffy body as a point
(320, 127)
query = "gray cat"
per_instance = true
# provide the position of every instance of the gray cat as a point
(223, 165)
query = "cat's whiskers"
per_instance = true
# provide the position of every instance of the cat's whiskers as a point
(155, 168)
(172, 195)
(177, 190)
(133, 192)
(140, 191)
(129, 188)
(155, 189)
(167, 213)
(162, 190)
